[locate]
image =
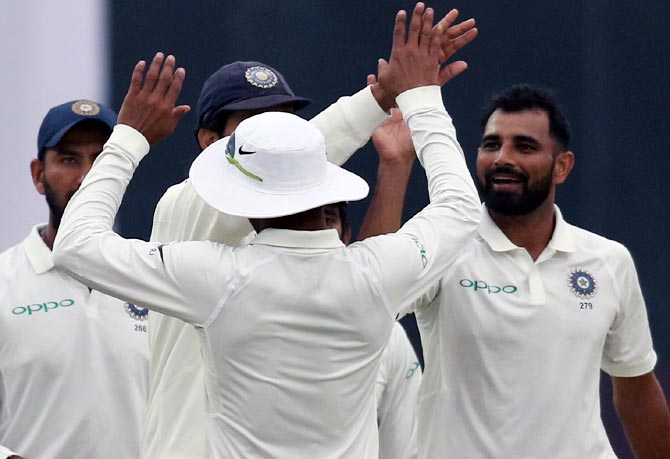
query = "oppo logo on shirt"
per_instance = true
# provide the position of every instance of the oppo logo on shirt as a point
(35, 308)
(479, 285)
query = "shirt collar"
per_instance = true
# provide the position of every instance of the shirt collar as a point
(37, 251)
(321, 239)
(562, 240)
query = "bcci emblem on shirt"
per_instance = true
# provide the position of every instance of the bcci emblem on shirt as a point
(136, 312)
(582, 283)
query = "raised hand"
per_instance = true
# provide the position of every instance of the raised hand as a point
(149, 105)
(393, 141)
(414, 56)
(454, 38)
(450, 38)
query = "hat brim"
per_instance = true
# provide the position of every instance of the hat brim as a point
(221, 185)
(54, 139)
(258, 103)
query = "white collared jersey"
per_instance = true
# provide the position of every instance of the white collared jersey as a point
(292, 326)
(175, 423)
(513, 348)
(73, 362)
(397, 389)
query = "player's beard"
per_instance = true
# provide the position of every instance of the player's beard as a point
(531, 197)
(57, 209)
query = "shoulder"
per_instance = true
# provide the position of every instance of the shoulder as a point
(9, 258)
(612, 255)
(589, 241)
(175, 191)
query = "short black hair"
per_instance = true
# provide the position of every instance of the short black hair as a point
(217, 124)
(343, 210)
(523, 97)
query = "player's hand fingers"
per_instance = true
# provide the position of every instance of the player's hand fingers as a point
(399, 31)
(152, 74)
(462, 40)
(415, 24)
(427, 32)
(136, 78)
(166, 76)
(460, 28)
(452, 70)
(448, 20)
(175, 85)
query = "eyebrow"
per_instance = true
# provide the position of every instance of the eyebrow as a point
(490, 137)
(517, 138)
(66, 151)
(70, 152)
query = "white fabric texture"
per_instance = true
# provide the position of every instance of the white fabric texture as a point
(397, 390)
(6, 452)
(290, 356)
(73, 363)
(513, 356)
(175, 423)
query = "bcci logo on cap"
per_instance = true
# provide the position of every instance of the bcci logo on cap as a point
(261, 77)
(85, 108)
(582, 283)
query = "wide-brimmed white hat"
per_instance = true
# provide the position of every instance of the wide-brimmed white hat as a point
(273, 165)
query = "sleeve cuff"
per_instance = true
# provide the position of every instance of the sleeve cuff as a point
(368, 112)
(630, 370)
(131, 141)
(421, 97)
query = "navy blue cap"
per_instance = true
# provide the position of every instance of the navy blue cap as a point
(243, 85)
(60, 119)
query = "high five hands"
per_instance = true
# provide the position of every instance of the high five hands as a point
(149, 105)
(419, 53)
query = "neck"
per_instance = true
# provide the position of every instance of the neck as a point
(310, 220)
(48, 234)
(532, 231)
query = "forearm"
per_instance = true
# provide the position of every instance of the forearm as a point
(644, 415)
(348, 124)
(438, 151)
(87, 247)
(385, 212)
(431, 240)
(92, 210)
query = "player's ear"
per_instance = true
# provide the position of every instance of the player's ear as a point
(37, 173)
(206, 137)
(564, 163)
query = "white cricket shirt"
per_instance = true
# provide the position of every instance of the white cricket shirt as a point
(73, 363)
(6, 452)
(175, 423)
(513, 348)
(292, 326)
(397, 390)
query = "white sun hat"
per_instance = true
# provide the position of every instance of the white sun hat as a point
(273, 165)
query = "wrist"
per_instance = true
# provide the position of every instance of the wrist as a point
(401, 163)
(395, 172)
(385, 100)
